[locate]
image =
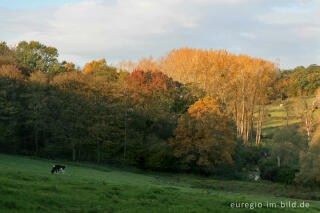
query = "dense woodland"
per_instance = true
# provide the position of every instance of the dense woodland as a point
(193, 110)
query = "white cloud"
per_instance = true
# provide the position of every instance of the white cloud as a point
(129, 29)
(248, 35)
(294, 31)
(93, 27)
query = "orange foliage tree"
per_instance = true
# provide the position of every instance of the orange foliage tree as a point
(241, 82)
(101, 68)
(204, 135)
(94, 66)
(148, 64)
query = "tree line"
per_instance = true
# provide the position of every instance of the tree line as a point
(193, 110)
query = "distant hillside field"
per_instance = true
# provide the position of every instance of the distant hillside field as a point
(28, 186)
(275, 115)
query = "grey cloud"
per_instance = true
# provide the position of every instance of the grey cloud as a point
(128, 29)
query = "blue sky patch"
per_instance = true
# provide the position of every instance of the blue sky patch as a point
(28, 4)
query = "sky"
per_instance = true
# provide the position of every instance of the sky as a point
(285, 31)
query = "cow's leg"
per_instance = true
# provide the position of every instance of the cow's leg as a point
(62, 170)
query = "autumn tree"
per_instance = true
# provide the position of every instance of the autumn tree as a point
(204, 135)
(127, 66)
(240, 81)
(148, 64)
(70, 67)
(101, 68)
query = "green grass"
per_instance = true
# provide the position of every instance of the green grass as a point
(26, 185)
(276, 115)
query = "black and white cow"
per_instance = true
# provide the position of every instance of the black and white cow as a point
(57, 168)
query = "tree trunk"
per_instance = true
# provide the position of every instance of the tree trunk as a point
(287, 118)
(98, 152)
(36, 140)
(259, 125)
(74, 152)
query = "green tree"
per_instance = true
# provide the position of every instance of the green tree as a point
(37, 56)
(37, 103)
(12, 103)
(4, 49)
(310, 163)
(288, 143)
(72, 121)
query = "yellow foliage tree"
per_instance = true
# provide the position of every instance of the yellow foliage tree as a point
(203, 106)
(241, 82)
(70, 67)
(94, 66)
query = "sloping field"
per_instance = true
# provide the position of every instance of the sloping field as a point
(276, 115)
(26, 185)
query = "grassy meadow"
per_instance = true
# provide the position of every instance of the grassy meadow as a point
(26, 185)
